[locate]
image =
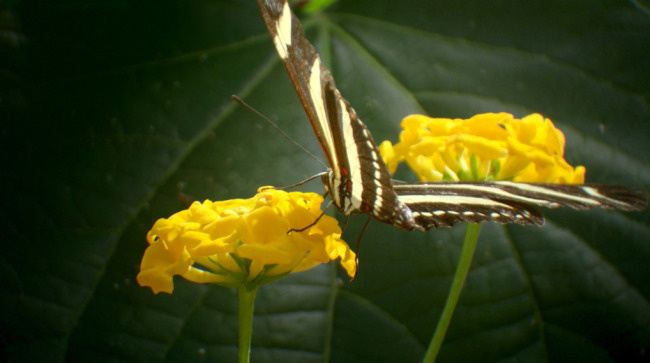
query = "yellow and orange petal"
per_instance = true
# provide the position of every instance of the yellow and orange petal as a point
(490, 146)
(237, 241)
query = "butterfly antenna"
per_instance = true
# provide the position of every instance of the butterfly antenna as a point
(276, 127)
(303, 182)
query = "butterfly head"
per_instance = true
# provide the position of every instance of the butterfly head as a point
(339, 196)
(381, 204)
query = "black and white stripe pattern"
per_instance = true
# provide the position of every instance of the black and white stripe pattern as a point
(444, 204)
(359, 181)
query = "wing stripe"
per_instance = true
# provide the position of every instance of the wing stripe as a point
(547, 192)
(318, 102)
(578, 196)
(352, 158)
(487, 190)
(282, 38)
(451, 200)
(508, 202)
(431, 211)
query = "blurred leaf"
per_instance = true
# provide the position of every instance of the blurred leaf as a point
(120, 114)
(317, 5)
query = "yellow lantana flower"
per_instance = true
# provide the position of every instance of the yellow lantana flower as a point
(489, 146)
(243, 241)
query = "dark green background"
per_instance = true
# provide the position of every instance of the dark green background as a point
(116, 113)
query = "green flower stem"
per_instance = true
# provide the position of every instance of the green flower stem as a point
(466, 255)
(246, 307)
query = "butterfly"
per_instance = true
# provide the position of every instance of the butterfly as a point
(358, 180)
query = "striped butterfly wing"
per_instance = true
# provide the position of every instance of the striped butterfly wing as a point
(444, 204)
(358, 180)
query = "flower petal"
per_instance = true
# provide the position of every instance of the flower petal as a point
(491, 146)
(241, 241)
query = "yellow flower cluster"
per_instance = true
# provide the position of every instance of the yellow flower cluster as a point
(243, 241)
(490, 146)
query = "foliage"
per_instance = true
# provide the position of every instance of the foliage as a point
(115, 114)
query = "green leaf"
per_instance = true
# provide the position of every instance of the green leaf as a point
(318, 5)
(115, 114)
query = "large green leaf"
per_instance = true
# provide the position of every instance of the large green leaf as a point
(117, 113)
